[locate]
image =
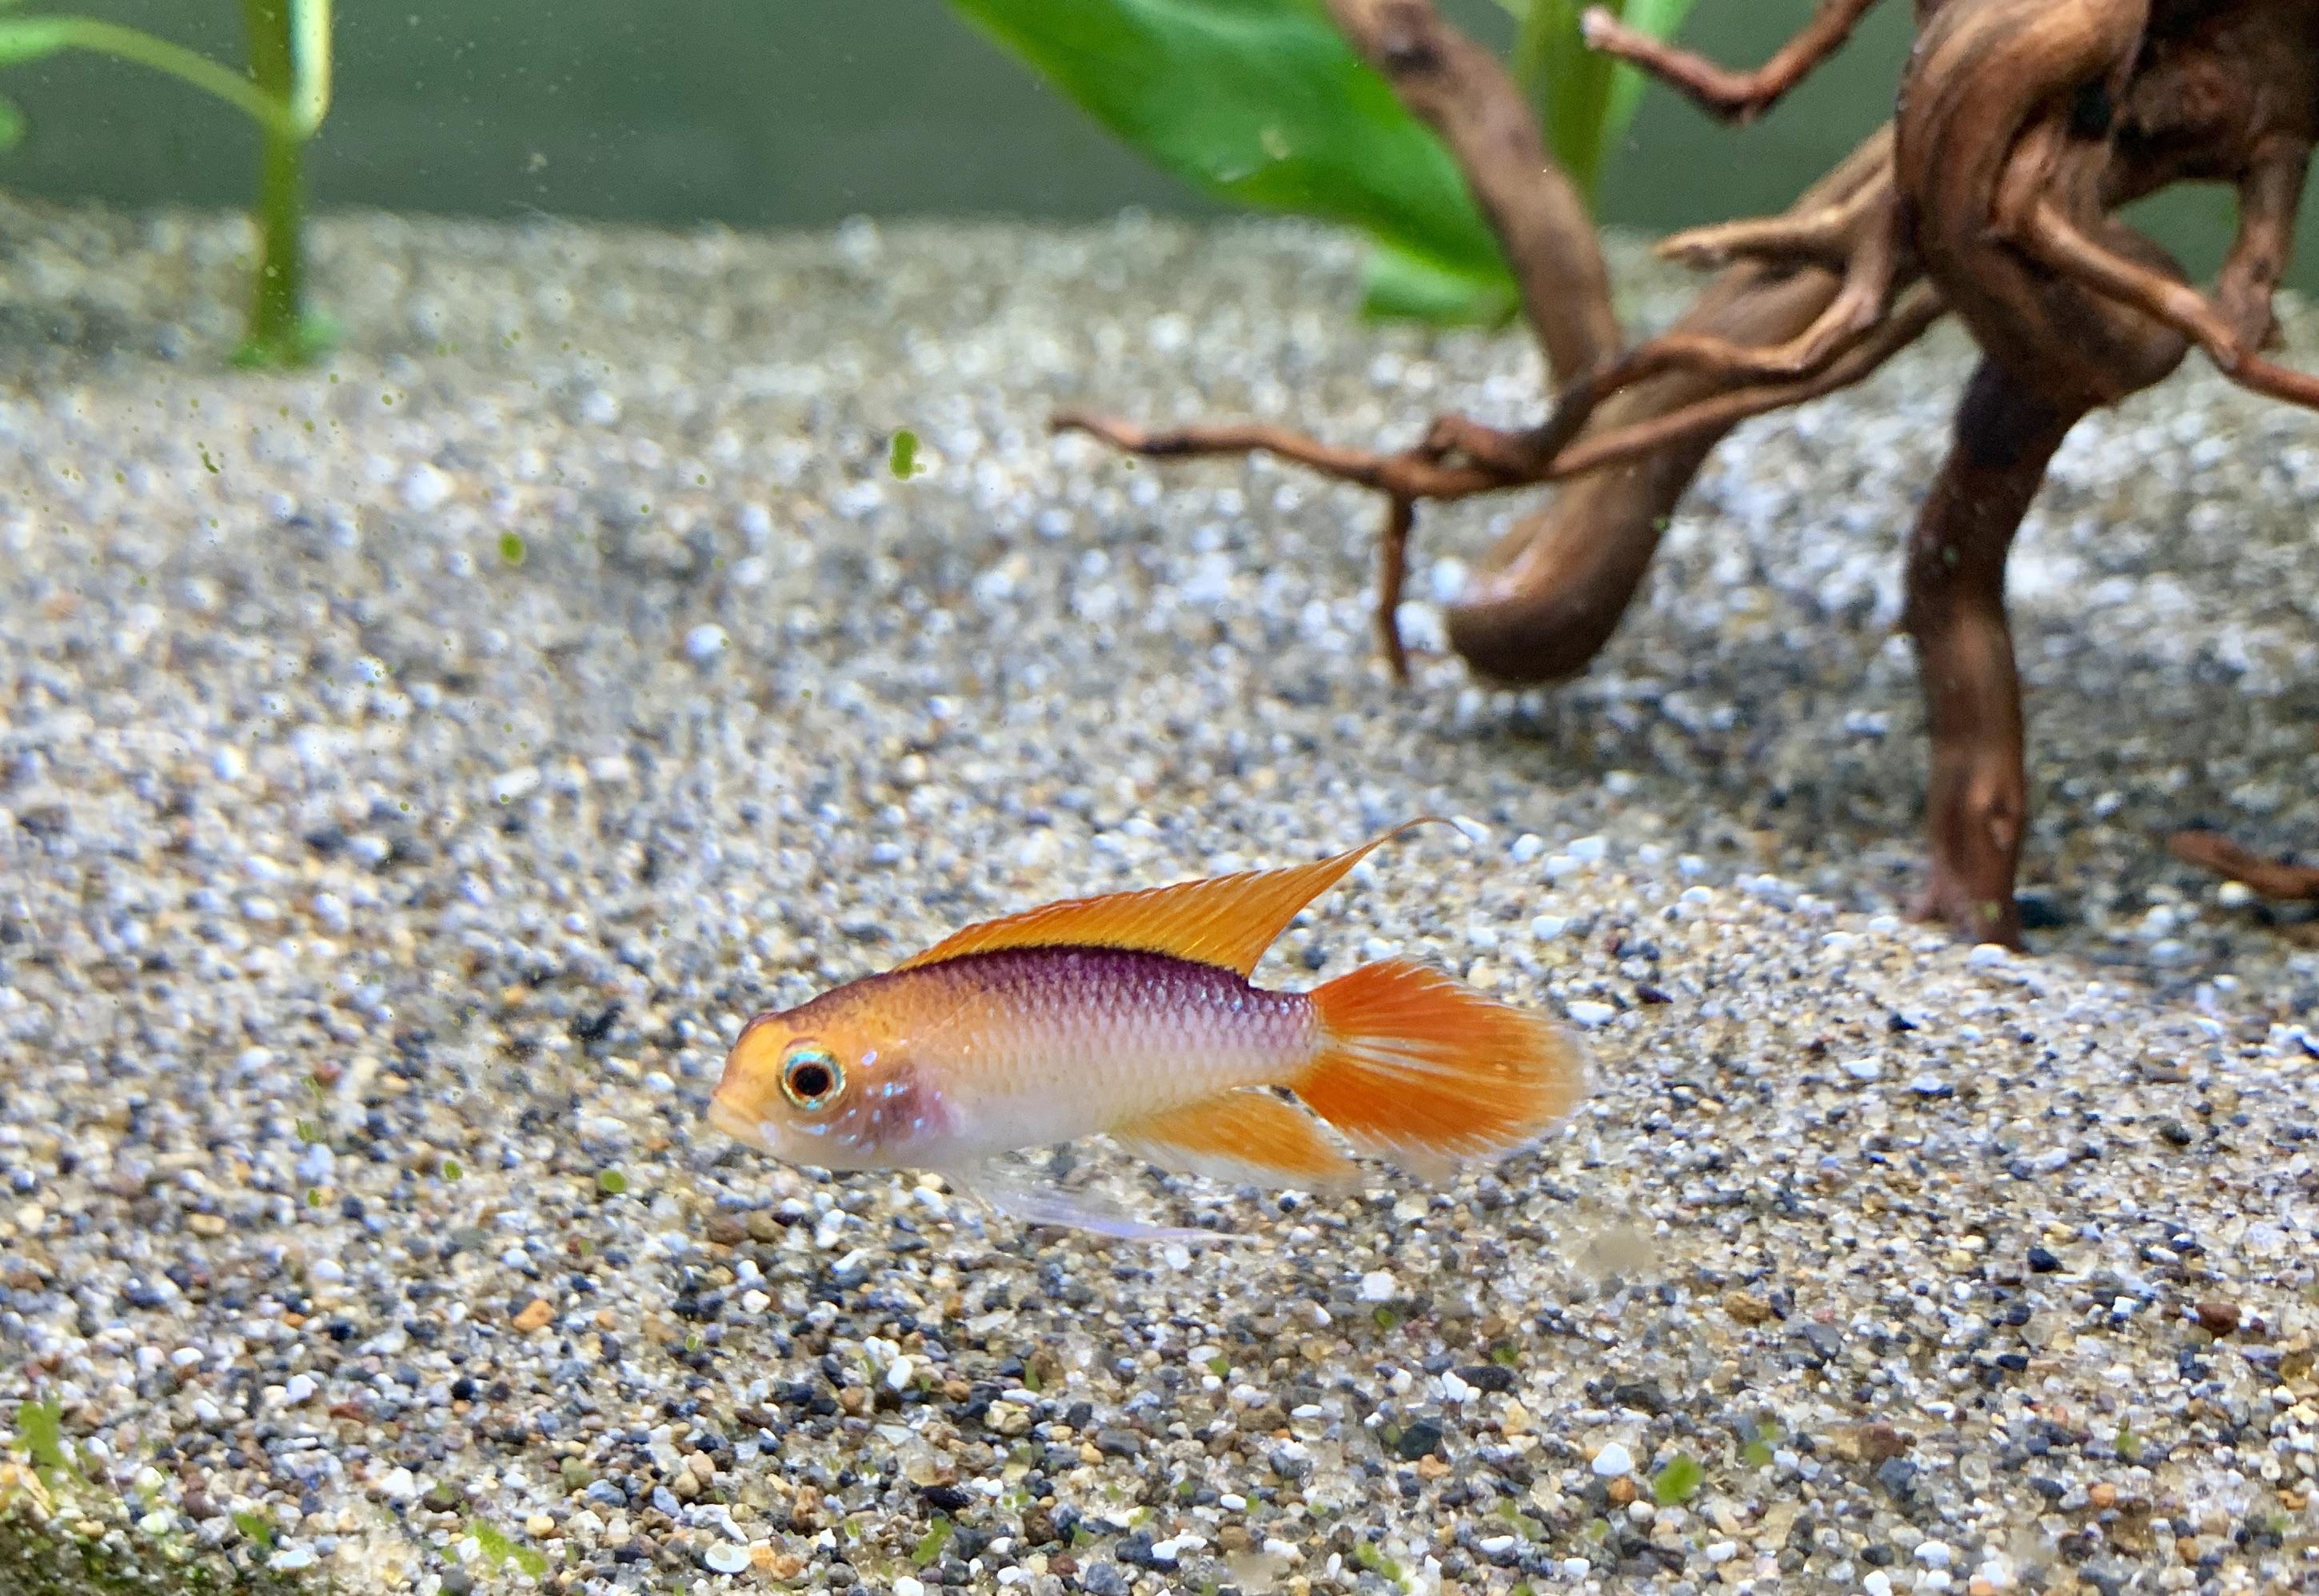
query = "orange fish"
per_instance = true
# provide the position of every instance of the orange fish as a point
(1131, 1015)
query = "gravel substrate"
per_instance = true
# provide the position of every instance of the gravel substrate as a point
(414, 771)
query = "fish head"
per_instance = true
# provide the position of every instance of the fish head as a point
(830, 1084)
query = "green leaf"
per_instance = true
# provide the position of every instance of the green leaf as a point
(1260, 102)
(1584, 99)
(11, 125)
(255, 1529)
(1395, 282)
(902, 454)
(1678, 1481)
(611, 1181)
(931, 1544)
(1661, 19)
(492, 1540)
(511, 547)
(41, 1432)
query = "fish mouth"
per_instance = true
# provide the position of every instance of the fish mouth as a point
(729, 1119)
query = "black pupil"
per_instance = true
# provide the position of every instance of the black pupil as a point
(809, 1081)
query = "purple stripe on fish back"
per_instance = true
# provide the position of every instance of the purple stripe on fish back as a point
(1143, 1014)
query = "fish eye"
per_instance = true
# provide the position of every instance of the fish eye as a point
(811, 1077)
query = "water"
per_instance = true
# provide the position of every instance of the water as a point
(419, 763)
(803, 111)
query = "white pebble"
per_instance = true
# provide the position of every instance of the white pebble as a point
(1545, 928)
(1877, 1583)
(425, 489)
(726, 1558)
(1933, 1554)
(705, 642)
(1528, 846)
(300, 1388)
(1590, 1013)
(1589, 849)
(1378, 1286)
(754, 1302)
(290, 1559)
(1614, 1461)
(1988, 956)
(332, 912)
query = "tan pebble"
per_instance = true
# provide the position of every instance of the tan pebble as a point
(1233, 1538)
(1430, 1468)
(1514, 1418)
(805, 1508)
(1978, 1586)
(535, 1315)
(1621, 1490)
(2102, 1494)
(703, 1464)
(205, 1224)
(1746, 1307)
(726, 1230)
(853, 1398)
(539, 1526)
(2216, 1319)
(1089, 1455)
(780, 1566)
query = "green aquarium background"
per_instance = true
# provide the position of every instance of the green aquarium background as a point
(800, 113)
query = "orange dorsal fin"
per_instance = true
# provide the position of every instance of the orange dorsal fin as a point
(1226, 921)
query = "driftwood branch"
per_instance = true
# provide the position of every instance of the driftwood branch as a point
(1720, 91)
(1464, 94)
(2021, 127)
(2275, 880)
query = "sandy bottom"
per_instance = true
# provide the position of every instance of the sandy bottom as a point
(412, 772)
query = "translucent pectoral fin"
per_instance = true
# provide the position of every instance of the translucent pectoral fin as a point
(1032, 1199)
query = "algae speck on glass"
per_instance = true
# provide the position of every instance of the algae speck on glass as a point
(698, 725)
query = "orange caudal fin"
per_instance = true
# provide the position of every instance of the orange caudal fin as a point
(1424, 1070)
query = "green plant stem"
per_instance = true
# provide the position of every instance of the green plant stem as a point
(131, 44)
(281, 331)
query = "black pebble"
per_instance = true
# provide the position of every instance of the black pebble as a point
(1422, 1437)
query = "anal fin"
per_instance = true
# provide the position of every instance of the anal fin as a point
(1247, 1138)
